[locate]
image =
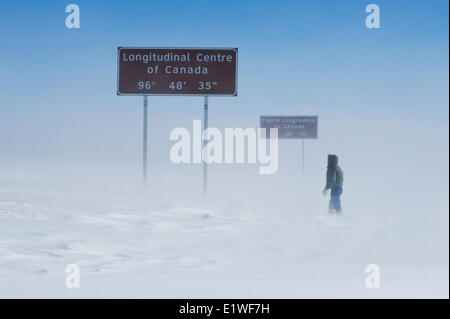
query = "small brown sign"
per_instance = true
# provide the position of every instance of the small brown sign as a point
(177, 71)
(291, 126)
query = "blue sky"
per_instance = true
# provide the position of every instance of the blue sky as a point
(295, 57)
(280, 42)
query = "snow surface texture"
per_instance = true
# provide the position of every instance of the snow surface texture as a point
(255, 236)
(74, 196)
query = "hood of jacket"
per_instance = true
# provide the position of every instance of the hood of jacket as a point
(332, 160)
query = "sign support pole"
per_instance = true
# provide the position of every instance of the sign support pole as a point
(144, 142)
(205, 165)
(303, 159)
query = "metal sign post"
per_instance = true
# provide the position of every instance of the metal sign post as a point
(293, 127)
(205, 164)
(144, 142)
(203, 72)
(303, 159)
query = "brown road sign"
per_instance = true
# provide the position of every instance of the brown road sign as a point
(177, 71)
(291, 126)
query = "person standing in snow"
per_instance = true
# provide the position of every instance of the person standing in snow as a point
(335, 180)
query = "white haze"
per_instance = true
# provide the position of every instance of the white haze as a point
(71, 192)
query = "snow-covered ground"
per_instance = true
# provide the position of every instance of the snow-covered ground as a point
(73, 196)
(250, 241)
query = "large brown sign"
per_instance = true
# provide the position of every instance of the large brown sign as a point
(177, 71)
(291, 126)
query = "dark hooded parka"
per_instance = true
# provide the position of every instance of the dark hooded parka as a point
(335, 175)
